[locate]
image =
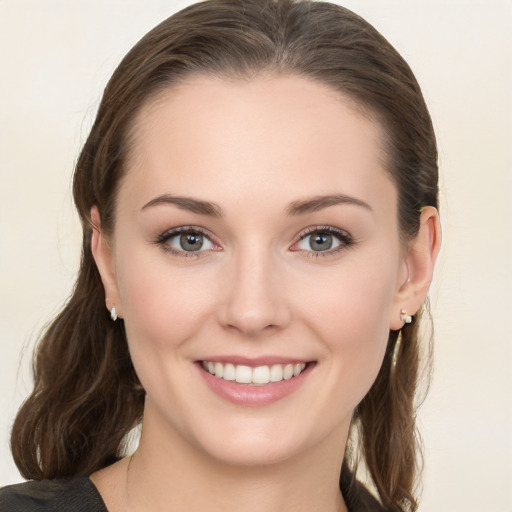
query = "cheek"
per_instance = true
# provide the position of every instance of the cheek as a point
(352, 298)
(164, 308)
(162, 305)
(351, 317)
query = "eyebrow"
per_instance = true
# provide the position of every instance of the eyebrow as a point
(317, 203)
(302, 207)
(187, 203)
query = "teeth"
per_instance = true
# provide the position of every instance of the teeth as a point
(288, 371)
(218, 369)
(259, 375)
(228, 372)
(276, 373)
(243, 374)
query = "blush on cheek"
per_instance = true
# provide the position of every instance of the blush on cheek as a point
(356, 319)
(163, 307)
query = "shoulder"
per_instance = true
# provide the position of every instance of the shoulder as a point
(70, 495)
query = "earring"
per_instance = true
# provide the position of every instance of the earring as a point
(113, 313)
(407, 319)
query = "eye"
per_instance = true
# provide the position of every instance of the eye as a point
(318, 241)
(186, 240)
(323, 240)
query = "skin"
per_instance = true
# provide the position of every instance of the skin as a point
(255, 149)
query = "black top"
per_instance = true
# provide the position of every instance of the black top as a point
(73, 495)
(81, 495)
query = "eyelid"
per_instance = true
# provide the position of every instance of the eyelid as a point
(167, 235)
(331, 229)
(345, 238)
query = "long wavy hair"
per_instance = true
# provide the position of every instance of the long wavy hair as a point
(86, 395)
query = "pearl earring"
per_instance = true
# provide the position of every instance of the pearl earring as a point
(113, 313)
(405, 317)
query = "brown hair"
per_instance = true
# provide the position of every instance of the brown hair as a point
(86, 395)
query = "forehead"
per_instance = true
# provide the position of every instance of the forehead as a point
(271, 135)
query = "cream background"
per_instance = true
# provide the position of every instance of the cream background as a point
(55, 58)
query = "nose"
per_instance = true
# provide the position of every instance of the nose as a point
(255, 301)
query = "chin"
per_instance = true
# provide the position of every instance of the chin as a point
(252, 440)
(254, 451)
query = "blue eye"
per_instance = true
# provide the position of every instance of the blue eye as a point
(185, 240)
(318, 241)
(324, 240)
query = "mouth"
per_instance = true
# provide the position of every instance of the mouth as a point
(255, 382)
(256, 376)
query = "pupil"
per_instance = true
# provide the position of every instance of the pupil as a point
(191, 241)
(321, 242)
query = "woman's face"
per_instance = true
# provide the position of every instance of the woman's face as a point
(256, 237)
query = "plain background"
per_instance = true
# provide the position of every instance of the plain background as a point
(55, 58)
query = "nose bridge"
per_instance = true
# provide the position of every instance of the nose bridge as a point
(255, 301)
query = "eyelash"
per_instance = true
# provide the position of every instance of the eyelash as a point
(343, 237)
(163, 239)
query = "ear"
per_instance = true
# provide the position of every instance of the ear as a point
(419, 261)
(102, 253)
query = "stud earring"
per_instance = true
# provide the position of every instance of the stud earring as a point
(405, 317)
(113, 313)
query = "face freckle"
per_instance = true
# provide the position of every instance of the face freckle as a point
(255, 227)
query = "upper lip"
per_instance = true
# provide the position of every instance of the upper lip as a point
(254, 361)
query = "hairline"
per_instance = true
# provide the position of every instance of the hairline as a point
(161, 93)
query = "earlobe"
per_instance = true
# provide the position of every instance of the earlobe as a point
(102, 253)
(420, 259)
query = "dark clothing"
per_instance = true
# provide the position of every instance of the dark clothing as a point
(73, 495)
(80, 495)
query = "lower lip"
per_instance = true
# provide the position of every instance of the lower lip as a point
(254, 395)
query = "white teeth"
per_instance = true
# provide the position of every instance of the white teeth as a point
(243, 374)
(219, 370)
(288, 371)
(260, 375)
(228, 372)
(276, 373)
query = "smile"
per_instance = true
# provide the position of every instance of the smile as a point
(259, 375)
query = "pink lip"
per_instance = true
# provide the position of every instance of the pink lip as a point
(250, 395)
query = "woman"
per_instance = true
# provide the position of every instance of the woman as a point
(259, 202)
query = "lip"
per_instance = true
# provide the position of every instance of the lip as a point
(250, 395)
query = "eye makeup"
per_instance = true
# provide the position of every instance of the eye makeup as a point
(194, 241)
